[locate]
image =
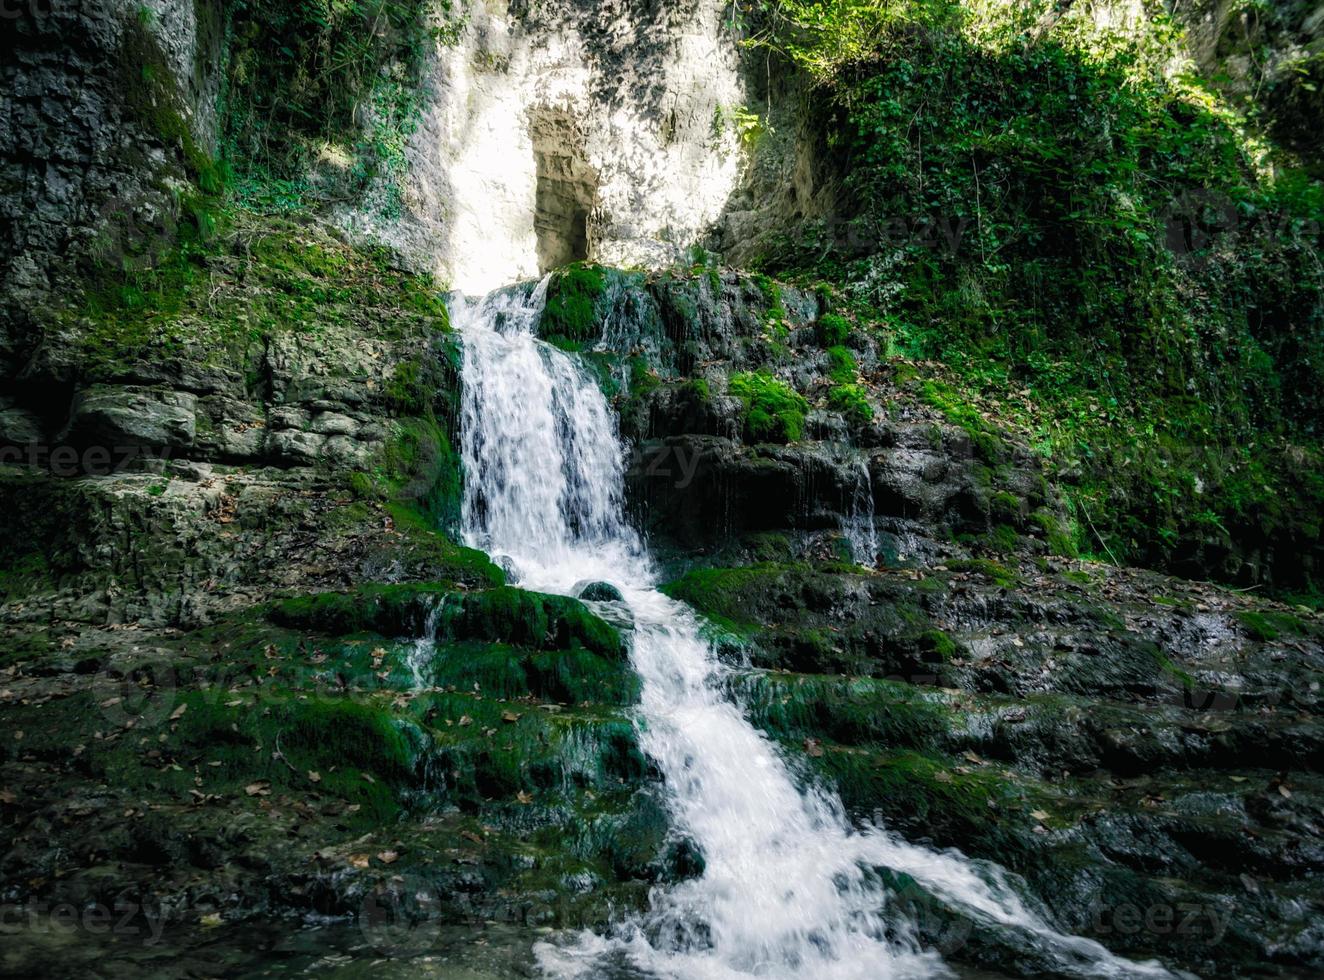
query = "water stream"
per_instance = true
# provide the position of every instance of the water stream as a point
(790, 887)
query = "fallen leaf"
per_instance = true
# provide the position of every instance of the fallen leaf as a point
(1039, 814)
(509, 716)
(524, 797)
(466, 720)
(368, 778)
(813, 747)
(943, 777)
(971, 757)
(178, 712)
(258, 789)
(211, 921)
(388, 857)
(7, 797)
(359, 860)
(315, 777)
(1284, 791)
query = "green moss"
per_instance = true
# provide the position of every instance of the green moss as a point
(1002, 539)
(1269, 625)
(938, 644)
(500, 615)
(842, 366)
(571, 313)
(852, 401)
(848, 710)
(999, 574)
(774, 412)
(1060, 541)
(831, 330)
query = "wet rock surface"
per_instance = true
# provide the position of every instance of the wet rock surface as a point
(248, 677)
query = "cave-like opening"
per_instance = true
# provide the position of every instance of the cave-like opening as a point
(567, 189)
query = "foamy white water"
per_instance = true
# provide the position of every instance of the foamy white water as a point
(790, 887)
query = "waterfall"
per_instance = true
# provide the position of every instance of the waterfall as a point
(790, 887)
(857, 522)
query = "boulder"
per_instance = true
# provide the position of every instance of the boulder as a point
(120, 416)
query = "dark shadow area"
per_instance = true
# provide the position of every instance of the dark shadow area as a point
(567, 189)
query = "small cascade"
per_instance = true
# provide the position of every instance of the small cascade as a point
(419, 658)
(790, 887)
(857, 523)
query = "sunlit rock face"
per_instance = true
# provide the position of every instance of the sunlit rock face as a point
(566, 129)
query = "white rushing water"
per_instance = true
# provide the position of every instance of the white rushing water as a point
(790, 887)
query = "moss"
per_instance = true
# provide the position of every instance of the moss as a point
(500, 615)
(1002, 539)
(852, 401)
(1060, 542)
(571, 313)
(842, 366)
(831, 330)
(1269, 625)
(850, 710)
(774, 412)
(999, 574)
(957, 410)
(938, 644)
(933, 797)
(1005, 506)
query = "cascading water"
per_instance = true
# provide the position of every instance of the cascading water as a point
(790, 888)
(857, 522)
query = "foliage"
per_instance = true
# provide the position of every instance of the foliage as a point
(774, 411)
(1093, 249)
(332, 82)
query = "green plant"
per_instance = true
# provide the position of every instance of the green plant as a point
(774, 411)
(572, 299)
(832, 329)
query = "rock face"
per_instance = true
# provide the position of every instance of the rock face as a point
(562, 131)
(247, 674)
(109, 108)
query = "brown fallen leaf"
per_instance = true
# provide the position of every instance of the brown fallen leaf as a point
(509, 716)
(178, 713)
(7, 797)
(524, 797)
(943, 776)
(1284, 792)
(359, 860)
(1039, 814)
(368, 778)
(813, 747)
(470, 835)
(258, 789)
(466, 720)
(388, 857)
(315, 777)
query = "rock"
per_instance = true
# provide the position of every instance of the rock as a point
(18, 427)
(122, 416)
(598, 592)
